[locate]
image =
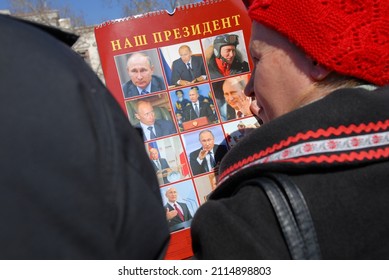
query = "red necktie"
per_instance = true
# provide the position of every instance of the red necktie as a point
(179, 212)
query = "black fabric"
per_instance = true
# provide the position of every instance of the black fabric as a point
(347, 192)
(76, 182)
(292, 213)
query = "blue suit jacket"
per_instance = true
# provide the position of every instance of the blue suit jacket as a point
(161, 127)
(176, 220)
(181, 72)
(130, 90)
(164, 165)
(218, 150)
(205, 110)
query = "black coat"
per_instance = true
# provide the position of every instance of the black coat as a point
(74, 180)
(339, 159)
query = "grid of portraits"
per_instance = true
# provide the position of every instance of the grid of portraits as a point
(188, 116)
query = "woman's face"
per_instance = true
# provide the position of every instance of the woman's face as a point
(280, 78)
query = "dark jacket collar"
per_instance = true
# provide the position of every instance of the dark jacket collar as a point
(344, 129)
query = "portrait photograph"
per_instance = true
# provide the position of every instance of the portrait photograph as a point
(230, 97)
(140, 73)
(180, 203)
(168, 159)
(183, 64)
(205, 149)
(194, 106)
(152, 116)
(226, 54)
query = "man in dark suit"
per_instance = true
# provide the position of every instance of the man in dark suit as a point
(176, 212)
(151, 127)
(238, 104)
(142, 81)
(160, 165)
(196, 108)
(208, 157)
(187, 69)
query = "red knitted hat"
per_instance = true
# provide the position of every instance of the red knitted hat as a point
(348, 36)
